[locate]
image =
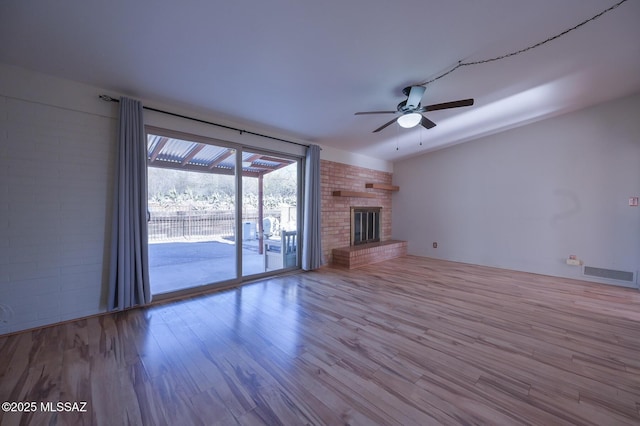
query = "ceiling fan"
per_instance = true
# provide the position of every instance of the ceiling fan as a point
(410, 110)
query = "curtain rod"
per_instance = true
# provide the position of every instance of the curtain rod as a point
(110, 99)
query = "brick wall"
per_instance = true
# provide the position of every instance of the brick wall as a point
(336, 210)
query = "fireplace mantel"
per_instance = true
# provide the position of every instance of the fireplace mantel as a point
(354, 194)
(384, 186)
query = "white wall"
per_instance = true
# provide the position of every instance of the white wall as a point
(56, 162)
(527, 198)
(57, 157)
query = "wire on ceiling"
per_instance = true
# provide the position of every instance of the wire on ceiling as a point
(461, 64)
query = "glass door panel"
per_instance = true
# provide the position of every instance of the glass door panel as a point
(192, 221)
(269, 213)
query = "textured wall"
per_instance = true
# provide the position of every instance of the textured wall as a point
(55, 172)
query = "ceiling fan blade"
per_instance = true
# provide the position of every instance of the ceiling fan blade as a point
(446, 105)
(415, 96)
(426, 123)
(375, 112)
(384, 125)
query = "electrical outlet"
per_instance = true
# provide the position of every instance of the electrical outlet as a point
(435, 245)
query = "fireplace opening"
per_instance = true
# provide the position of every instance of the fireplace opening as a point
(365, 225)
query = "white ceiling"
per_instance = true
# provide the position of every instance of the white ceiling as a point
(303, 68)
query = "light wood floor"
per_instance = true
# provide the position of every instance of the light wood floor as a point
(411, 341)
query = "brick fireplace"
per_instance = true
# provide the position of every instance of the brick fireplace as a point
(336, 210)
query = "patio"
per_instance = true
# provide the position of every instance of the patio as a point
(176, 266)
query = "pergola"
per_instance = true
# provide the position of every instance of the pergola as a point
(177, 154)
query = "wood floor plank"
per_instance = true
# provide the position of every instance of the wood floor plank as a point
(407, 341)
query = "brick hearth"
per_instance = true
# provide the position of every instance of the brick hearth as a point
(366, 254)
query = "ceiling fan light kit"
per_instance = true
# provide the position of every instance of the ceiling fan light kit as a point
(409, 120)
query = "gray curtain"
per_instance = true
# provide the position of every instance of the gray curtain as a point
(311, 241)
(129, 269)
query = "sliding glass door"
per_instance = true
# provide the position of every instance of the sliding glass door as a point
(207, 225)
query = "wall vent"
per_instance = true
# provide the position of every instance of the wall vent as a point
(610, 274)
